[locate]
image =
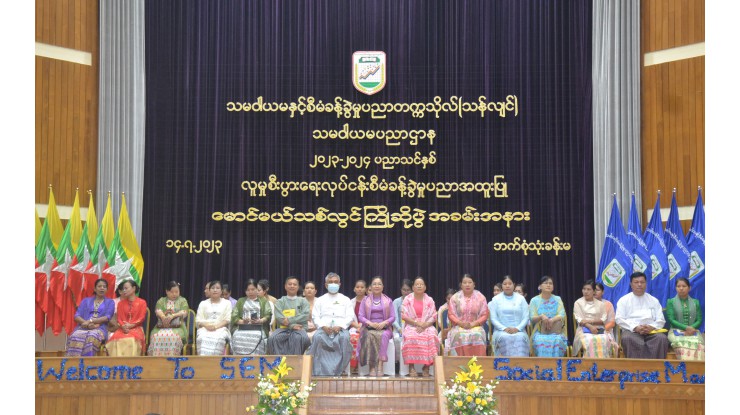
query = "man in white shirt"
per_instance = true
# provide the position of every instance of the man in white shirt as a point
(640, 316)
(332, 315)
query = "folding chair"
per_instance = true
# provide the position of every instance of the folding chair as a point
(147, 328)
(189, 346)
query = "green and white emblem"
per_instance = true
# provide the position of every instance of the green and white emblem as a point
(613, 273)
(638, 265)
(657, 269)
(696, 265)
(674, 266)
(368, 71)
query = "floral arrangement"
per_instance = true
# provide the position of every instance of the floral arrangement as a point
(468, 395)
(277, 397)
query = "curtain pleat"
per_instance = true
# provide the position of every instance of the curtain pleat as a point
(616, 111)
(122, 108)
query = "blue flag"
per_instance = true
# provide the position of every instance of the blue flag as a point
(655, 239)
(615, 265)
(695, 243)
(641, 258)
(678, 253)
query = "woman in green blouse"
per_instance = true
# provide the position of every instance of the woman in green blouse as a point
(171, 332)
(684, 316)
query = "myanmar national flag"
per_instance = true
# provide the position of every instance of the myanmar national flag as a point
(678, 252)
(655, 239)
(75, 223)
(695, 243)
(59, 289)
(82, 288)
(44, 262)
(55, 223)
(76, 271)
(107, 227)
(92, 221)
(615, 265)
(98, 263)
(124, 255)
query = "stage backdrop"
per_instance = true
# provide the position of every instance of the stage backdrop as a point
(489, 108)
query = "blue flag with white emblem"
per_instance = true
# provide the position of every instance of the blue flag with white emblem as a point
(695, 243)
(678, 252)
(654, 237)
(641, 258)
(615, 265)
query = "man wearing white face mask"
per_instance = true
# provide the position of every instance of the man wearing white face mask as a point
(332, 315)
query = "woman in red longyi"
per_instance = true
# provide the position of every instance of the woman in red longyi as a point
(128, 339)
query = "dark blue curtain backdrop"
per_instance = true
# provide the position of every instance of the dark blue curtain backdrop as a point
(202, 54)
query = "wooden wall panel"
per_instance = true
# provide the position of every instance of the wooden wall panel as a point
(208, 394)
(156, 391)
(588, 397)
(91, 404)
(67, 23)
(141, 397)
(672, 106)
(66, 129)
(66, 101)
(673, 132)
(670, 23)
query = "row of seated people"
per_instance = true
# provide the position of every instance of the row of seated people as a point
(540, 327)
(371, 326)
(120, 323)
(249, 320)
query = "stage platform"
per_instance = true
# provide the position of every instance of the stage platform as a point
(223, 385)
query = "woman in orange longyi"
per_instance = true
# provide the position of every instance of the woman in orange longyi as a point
(128, 339)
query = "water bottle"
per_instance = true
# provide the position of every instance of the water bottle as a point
(331, 336)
